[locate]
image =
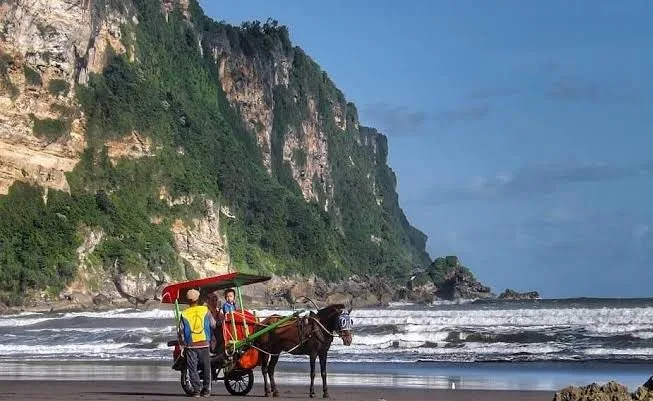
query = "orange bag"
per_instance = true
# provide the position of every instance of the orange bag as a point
(249, 359)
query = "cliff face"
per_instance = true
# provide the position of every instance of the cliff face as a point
(48, 47)
(184, 145)
(249, 82)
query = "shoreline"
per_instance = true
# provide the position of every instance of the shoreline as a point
(65, 306)
(126, 390)
(547, 377)
(74, 306)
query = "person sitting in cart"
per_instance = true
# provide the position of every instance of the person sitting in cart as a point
(230, 301)
(213, 303)
(196, 324)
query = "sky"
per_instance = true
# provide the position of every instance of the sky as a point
(520, 131)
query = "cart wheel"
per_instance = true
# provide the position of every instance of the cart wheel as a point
(185, 382)
(239, 382)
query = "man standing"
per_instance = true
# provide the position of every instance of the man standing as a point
(196, 324)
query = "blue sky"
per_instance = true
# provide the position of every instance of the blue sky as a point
(520, 130)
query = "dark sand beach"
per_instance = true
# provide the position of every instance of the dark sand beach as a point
(128, 390)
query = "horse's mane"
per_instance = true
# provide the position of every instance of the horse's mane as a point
(328, 310)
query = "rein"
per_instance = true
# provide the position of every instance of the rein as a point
(303, 338)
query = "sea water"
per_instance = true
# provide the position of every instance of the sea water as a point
(539, 344)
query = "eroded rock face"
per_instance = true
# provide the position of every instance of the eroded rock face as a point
(47, 47)
(461, 284)
(249, 87)
(132, 146)
(169, 5)
(306, 151)
(200, 242)
(137, 287)
(90, 279)
(248, 84)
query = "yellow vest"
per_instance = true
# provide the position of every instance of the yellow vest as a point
(196, 325)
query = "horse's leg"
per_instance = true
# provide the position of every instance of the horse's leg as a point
(323, 371)
(273, 363)
(311, 391)
(264, 370)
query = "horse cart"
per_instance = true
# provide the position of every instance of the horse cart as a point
(236, 357)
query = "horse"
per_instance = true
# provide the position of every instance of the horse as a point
(311, 335)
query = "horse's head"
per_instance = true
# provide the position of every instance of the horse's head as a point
(336, 318)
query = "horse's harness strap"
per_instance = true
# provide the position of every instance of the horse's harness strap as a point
(324, 328)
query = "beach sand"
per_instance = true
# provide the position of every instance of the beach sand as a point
(128, 390)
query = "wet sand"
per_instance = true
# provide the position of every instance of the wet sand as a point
(127, 390)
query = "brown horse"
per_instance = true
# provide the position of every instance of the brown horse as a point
(311, 335)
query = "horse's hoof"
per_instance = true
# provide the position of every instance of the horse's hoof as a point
(326, 395)
(312, 395)
(275, 394)
(267, 394)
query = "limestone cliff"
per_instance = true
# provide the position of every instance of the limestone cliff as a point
(201, 244)
(248, 77)
(175, 146)
(47, 48)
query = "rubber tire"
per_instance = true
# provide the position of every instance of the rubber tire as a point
(185, 382)
(247, 374)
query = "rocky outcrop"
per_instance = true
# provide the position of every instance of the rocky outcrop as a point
(356, 291)
(461, 284)
(200, 243)
(91, 278)
(611, 391)
(132, 146)
(167, 6)
(138, 288)
(512, 295)
(420, 294)
(41, 136)
(143, 290)
(47, 48)
(306, 151)
(248, 84)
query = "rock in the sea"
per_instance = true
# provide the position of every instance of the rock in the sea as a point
(611, 391)
(3, 308)
(420, 294)
(510, 294)
(461, 284)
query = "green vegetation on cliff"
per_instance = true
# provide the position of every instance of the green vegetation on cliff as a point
(172, 94)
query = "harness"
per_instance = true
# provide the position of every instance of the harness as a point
(344, 324)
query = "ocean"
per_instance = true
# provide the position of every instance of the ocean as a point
(534, 344)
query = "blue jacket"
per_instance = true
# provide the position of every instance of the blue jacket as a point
(227, 307)
(196, 326)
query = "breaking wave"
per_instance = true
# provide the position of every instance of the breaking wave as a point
(555, 330)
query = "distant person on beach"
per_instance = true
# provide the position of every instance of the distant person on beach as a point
(230, 301)
(196, 325)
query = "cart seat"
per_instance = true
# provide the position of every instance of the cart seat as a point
(235, 329)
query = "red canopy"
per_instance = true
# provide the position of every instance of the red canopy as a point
(206, 285)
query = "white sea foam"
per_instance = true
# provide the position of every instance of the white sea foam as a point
(400, 333)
